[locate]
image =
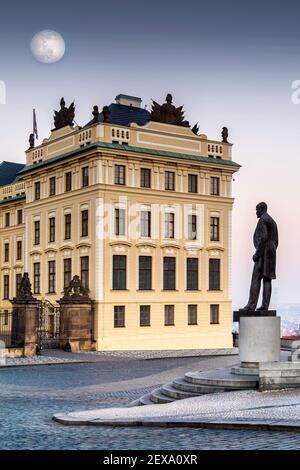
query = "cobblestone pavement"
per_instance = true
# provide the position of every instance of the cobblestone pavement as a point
(279, 408)
(165, 354)
(30, 396)
(38, 360)
(60, 357)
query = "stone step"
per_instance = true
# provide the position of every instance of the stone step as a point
(134, 403)
(222, 378)
(157, 397)
(182, 384)
(238, 370)
(172, 392)
(295, 358)
(145, 400)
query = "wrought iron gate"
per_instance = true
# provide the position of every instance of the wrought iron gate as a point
(10, 332)
(48, 326)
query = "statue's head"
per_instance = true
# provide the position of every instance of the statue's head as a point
(261, 209)
(169, 98)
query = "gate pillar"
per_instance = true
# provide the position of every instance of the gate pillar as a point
(25, 318)
(76, 318)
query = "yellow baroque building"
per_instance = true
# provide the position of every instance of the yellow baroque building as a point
(140, 209)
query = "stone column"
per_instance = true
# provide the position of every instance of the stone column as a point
(24, 326)
(76, 318)
(25, 318)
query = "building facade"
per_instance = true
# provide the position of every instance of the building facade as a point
(141, 211)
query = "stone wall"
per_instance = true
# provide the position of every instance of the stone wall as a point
(279, 375)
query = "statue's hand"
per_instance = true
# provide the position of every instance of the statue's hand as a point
(255, 257)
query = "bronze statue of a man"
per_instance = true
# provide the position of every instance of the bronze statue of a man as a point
(265, 240)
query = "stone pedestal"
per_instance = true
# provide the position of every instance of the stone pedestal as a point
(24, 326)
(76, 323)
(259, 340)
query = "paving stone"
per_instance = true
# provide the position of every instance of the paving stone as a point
(244, 407)
(31, 395)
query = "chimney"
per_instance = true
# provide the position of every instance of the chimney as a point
(127, 100)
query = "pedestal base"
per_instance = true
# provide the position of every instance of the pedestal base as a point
(259, 340)
(238, 314)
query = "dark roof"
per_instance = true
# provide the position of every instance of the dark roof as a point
(8, 172)
(123, 115)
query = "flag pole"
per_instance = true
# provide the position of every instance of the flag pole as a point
(35, 130)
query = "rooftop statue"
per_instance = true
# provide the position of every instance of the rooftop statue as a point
(195, 129)
(225, 135)
(106, 114)
(265, 240)
(95, 113)
(65, 116)
(168, 113)
(31, 141)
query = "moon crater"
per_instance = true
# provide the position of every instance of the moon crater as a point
(48, 46)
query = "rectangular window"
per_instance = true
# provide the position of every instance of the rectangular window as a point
(192, 183)
(120, 222)
(52, 186)
(119, 316)
(19, 250)
(119, 272)
(7, 219)
(169, 225)
(37, 190)
(145, 178)
(6, 317)
(84, 271)
(214, 186)
(146, 224)
(119, 174)
(145, 272)
(68, 181)
(214, 229)
(37, 232)
(214, 314)
(192, 227)
(214, 274)
(67, 272)
(36, 278)
(169, 272)
(85, 223)
(145, 315)
(68, 226)
(20, 216)
(85, 176)
(169, 315)
(6, 287)
(6, 252)
(18, 282)
(192, 314)
(192, 273)
(52, 229)
(169, 180)
(51, 277)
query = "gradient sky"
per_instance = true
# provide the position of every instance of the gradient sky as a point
(229, 62)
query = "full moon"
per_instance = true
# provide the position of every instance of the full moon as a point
(48, 46)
